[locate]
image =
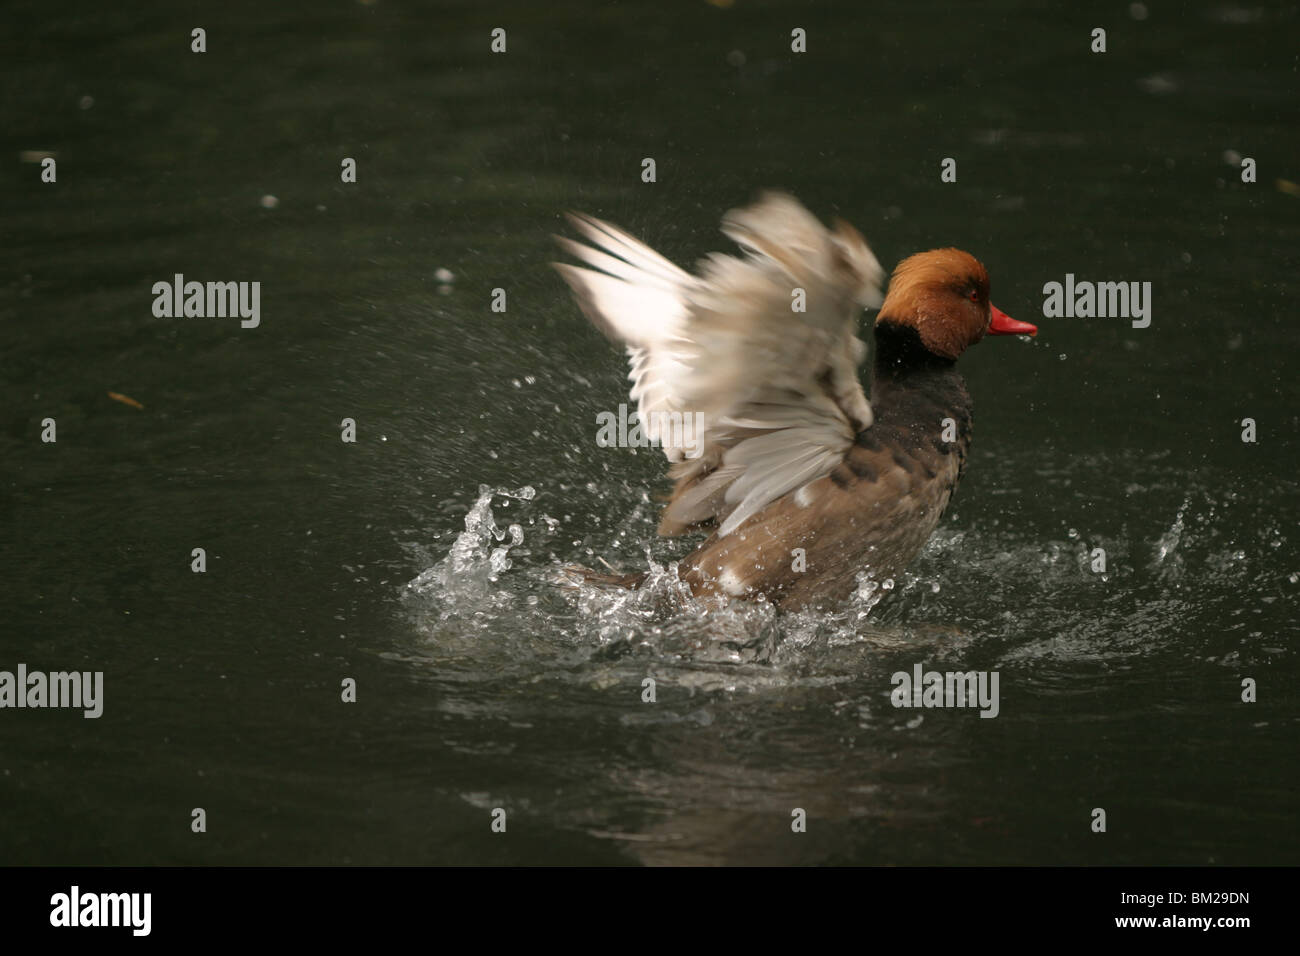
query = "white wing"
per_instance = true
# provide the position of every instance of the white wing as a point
(762, 347)
(636, 300)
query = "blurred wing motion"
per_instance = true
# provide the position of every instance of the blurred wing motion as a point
(760, 350)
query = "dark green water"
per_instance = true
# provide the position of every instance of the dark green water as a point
(480, 689)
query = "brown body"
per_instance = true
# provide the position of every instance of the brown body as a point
(874, 512)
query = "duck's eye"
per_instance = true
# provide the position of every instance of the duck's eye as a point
(974, 295)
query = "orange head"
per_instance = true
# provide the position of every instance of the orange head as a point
(944, 295)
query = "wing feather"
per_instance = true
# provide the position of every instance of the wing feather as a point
(762, 347)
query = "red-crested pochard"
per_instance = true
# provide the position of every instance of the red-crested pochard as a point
(804, 484)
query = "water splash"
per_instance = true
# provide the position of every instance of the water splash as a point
(869, 593)
(494, 598)
(1167, 546)
(473, 566)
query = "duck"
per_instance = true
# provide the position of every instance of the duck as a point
(807, 484)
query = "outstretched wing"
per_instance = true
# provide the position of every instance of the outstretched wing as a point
(637, 299)
(762, 347)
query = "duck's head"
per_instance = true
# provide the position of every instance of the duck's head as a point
(943, 295)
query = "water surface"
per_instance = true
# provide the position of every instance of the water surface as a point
(482, 685)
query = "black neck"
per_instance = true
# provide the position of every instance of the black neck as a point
(899, 350)
(913, 389)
